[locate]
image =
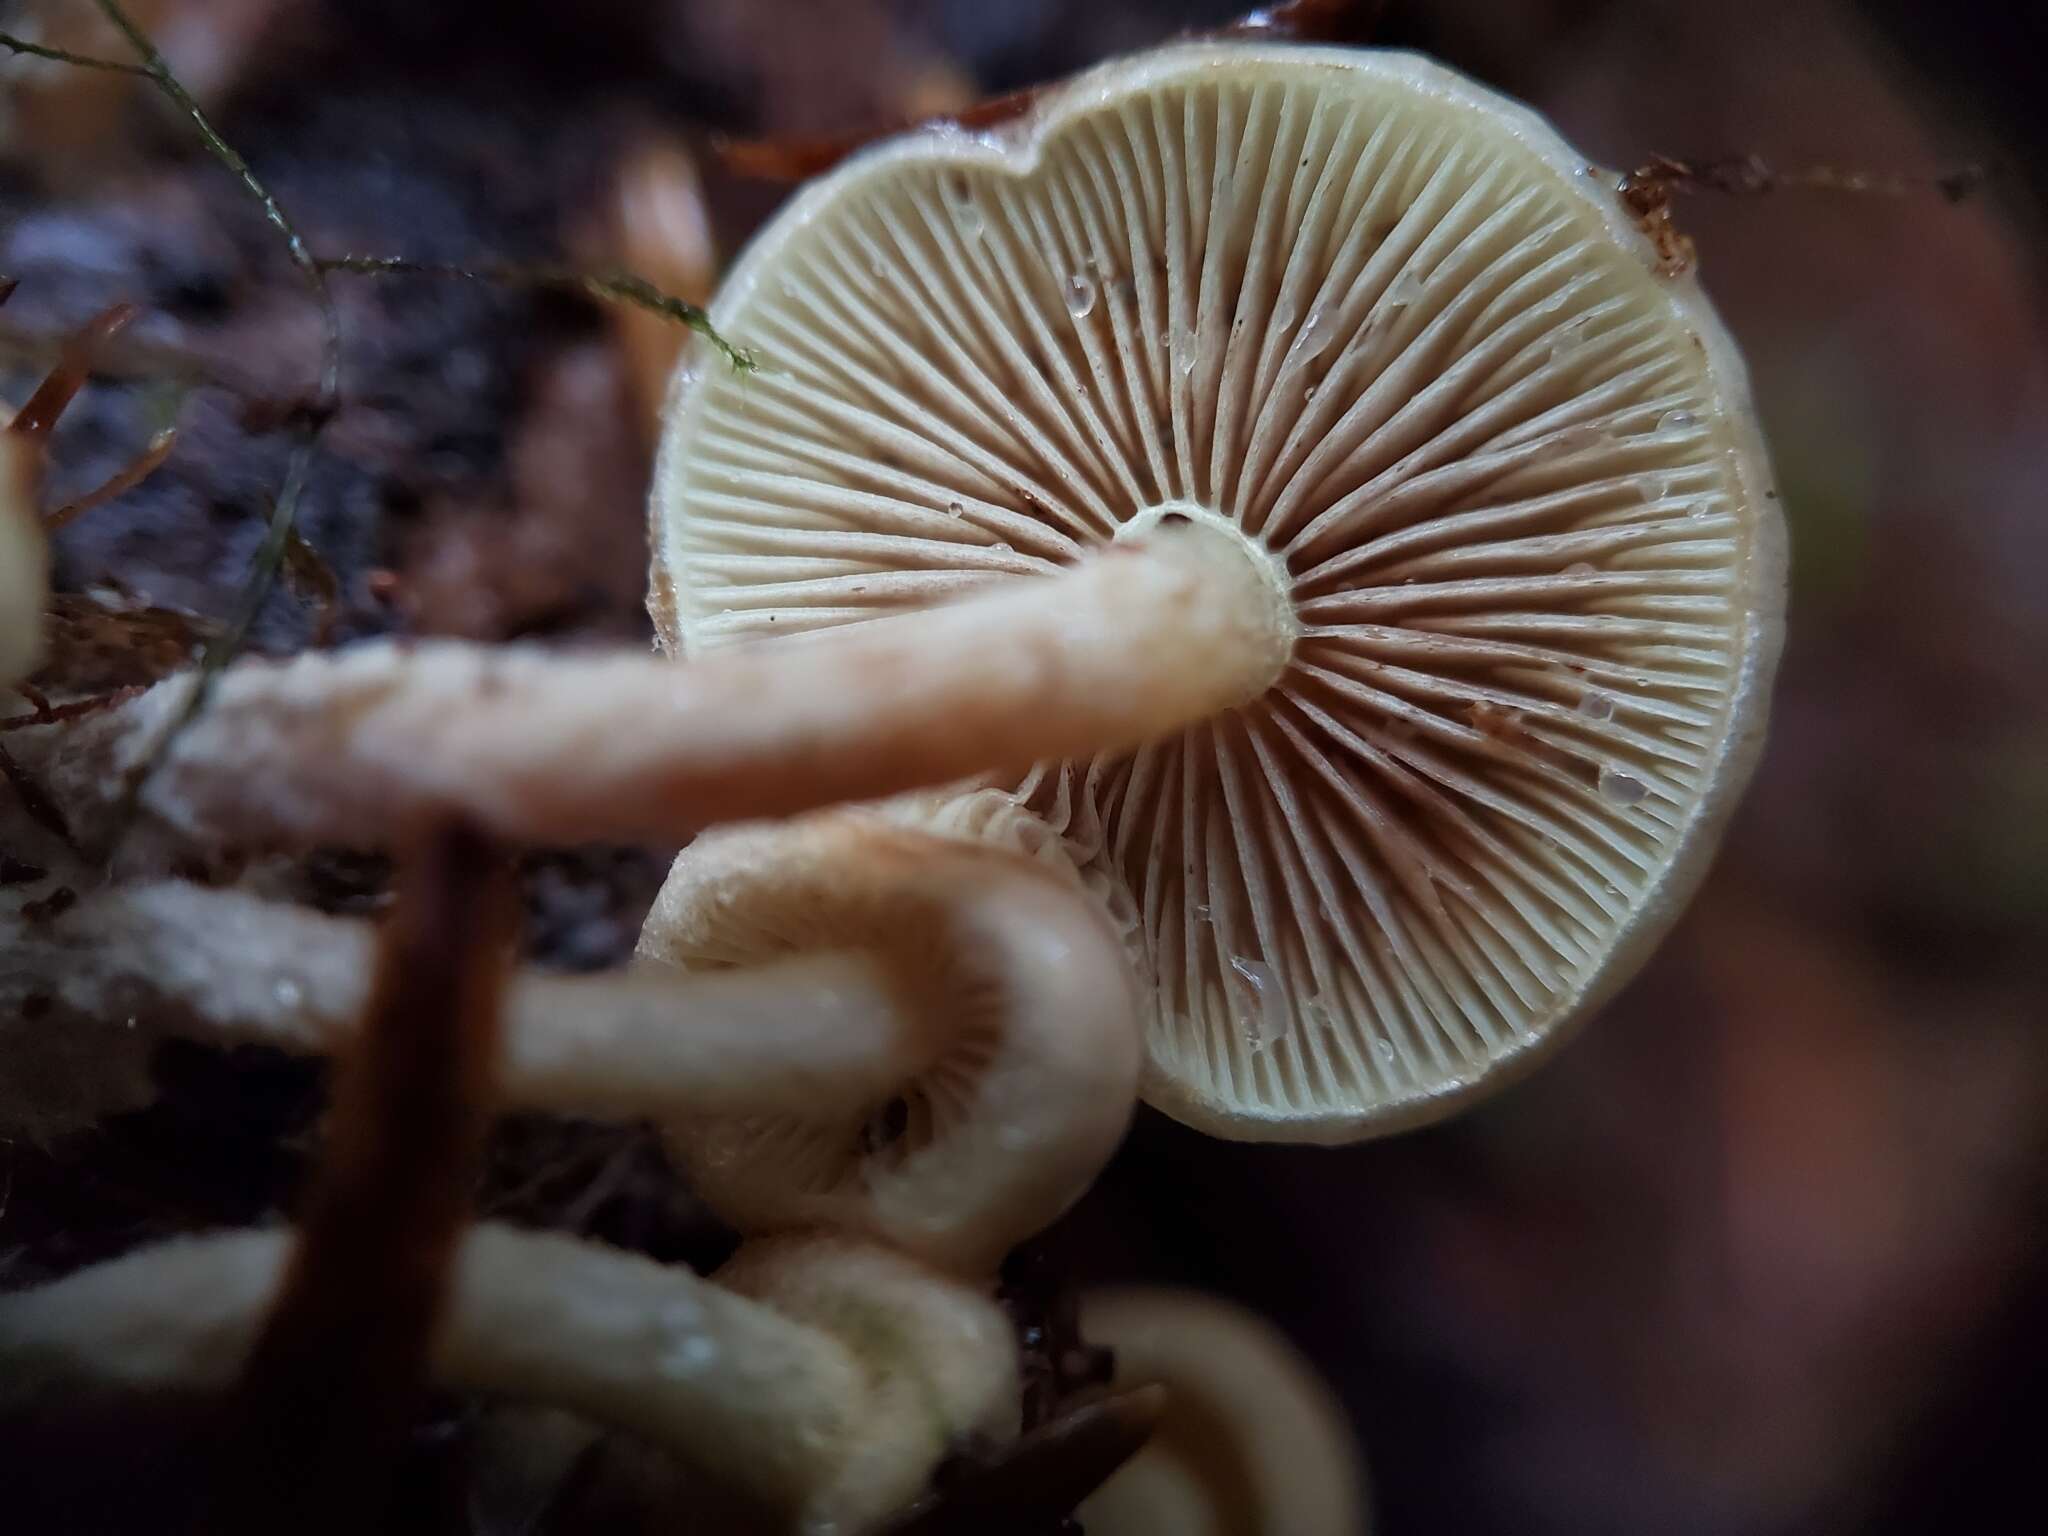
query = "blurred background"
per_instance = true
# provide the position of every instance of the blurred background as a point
(1763, 1251)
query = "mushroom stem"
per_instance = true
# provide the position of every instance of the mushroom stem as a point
(23, 568)
(1035, 1071)
(780, 1409)
(1131, 644)
(823, 1027)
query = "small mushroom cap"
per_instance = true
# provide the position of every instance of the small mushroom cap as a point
(1252, 1444)
(1030, 1069)
(1393, 332)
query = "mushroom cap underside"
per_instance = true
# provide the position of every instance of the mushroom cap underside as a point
(1393, 331)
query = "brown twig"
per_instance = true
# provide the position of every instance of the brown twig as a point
(120, 483)
(34, 421)
(340, 1368)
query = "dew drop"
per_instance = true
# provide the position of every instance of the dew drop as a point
(1316, 333)
(1202, 912)
(1383, 1048)
(1309, 393)
(1185, 349)
(955, 509)
(1004, 547)
(1622, 788)
(1080, 293)
(1595, 705)
(1580, 568)
(1677, 421)
(858, 589)
(1404, 290)
(1268, 1023)
(691, 1355)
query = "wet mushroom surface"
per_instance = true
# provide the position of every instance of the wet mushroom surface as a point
(1387, 332)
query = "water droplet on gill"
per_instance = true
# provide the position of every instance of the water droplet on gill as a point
(1580, 568)
(1577, 440)
(1404, 290)
(858, 588)
(1570, 337)
(1003, 547)
(1202, 912)
(1618, 788)
(1080, 293)
(1267, 1021)
(1699, 506)
(1383, 1048)
(1595, 705)
(967, 215)
(1309, 393)
(288, 994)
(1677, 421)
(1317, 332)
(1185, 350)
(955, 509)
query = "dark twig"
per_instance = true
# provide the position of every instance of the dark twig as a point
(610, 287)
(263, 570)
(120, 483)
(36, 419)
(22, 45)
(338, 1374)
(1032, 1484)
(75, 709)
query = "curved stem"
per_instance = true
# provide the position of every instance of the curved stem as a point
(824, 1383)
(1136, 642)
(827, 1027)
(730, 1383)
(1026, 1096)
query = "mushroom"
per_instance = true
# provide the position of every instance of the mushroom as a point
(819, 1378)
(1252, 1443)
(1511, 569)
(900, 1034)
(24, 571)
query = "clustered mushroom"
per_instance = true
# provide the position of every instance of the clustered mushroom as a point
(1294, 587)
